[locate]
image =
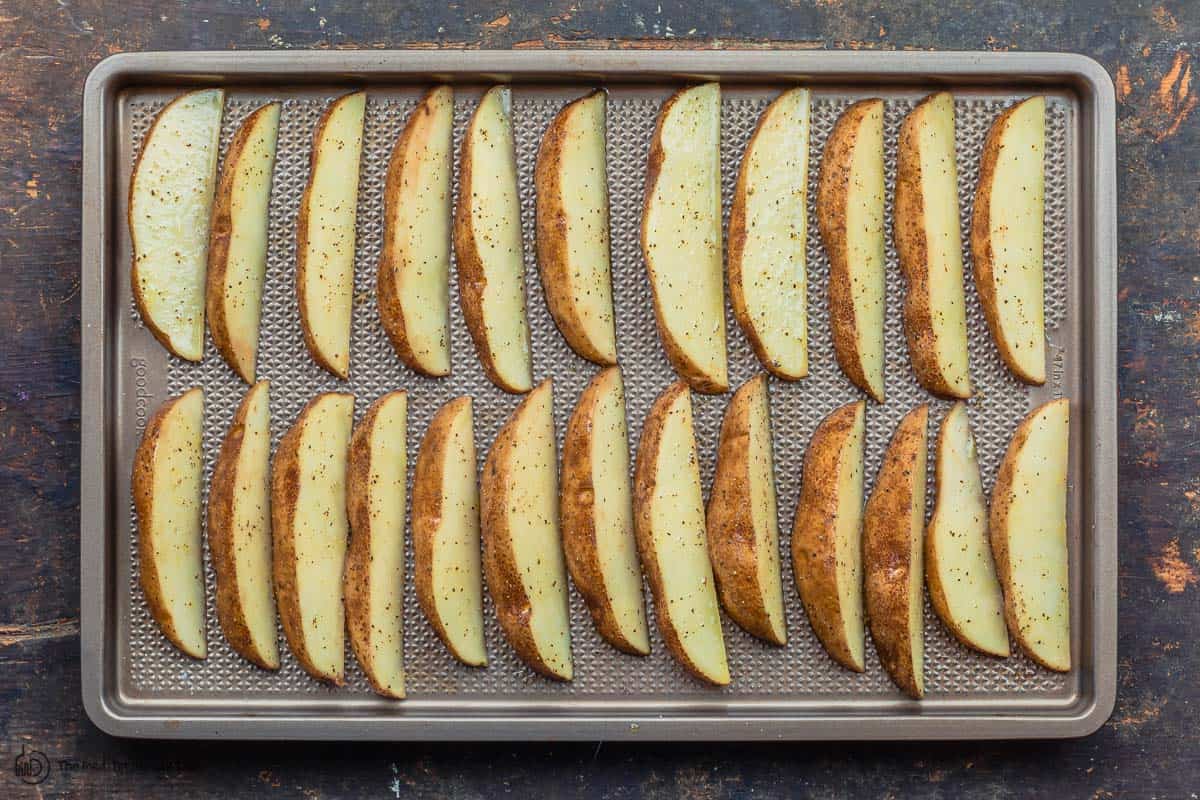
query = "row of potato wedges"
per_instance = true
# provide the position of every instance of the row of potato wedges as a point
(202, 242)
(319, 533)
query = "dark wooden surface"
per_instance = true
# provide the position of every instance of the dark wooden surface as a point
(1150, 747)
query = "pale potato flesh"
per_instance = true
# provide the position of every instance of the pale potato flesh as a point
(916, 574)
(170, 203)
(246, 259)
(774, 273)
(847, 537)
(765, 511)
(681, 232)
(958, 532)
(865, 245)
(332, 202)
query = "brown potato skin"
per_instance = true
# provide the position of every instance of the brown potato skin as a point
(577, 500)
(998, 523)
(220, 236)
(814, 545)
(552, 251)
(302, 245)
(687, 369)
(391, 310)
(220, 537)
(513, 605)
(285, 488)
(472, 281)
(732, 545)
(645, 479)
(143, 504)
(356, 579)
(832, 190)
(981, 244)
(913, 249)
(886, 549)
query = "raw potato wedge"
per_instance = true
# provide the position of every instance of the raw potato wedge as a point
(445, 525)
(827, 550)
(850, 217)
(373, 584)
(668, 513)
(572, 228)
(237, 249)
(167, 471)
(768, 232)
(596, 507)
(743, 517)
(239, 531)
(308, 518)
(325, 234)
(1006, 237)
(1029, 535)
(522, 549)
(681, 236)
(170, 204)
(929, 243)
(959, 569)
(488, 244)
(413, 280)
(893, 550)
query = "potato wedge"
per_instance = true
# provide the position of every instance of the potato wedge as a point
(522, 549)
(308, 518)
(743, 517)
(488, 245)
(572, 228)
(413, 280)
(850, 218)
(445, 526)
(237, 247)
(893, 528)
(373, 582)
(239, 531)
(959, 569)
(827, 548)
(167, 470)
(668, 514)
(929, 243)
(596, 507)
(170, 205)
(1006, 237)
(681, 236)
(768, 234)
(1029, 535)
(325, 234)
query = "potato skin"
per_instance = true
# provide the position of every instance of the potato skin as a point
(981, 245)
(553, 254)
(732, 545)
(814, 545)
(886, 550)
(391, 310)
(143, 504)
(220, 537)
(356, 580)
(913, 250)
(832, 190)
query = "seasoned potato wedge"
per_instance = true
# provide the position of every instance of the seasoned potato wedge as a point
(681, 236)
(170, 205)
(167, 470)
(1029, 535)
(239, 531)
(893, 528)
(572, 228)
(596, 506)
(743, 517)
(669, 522)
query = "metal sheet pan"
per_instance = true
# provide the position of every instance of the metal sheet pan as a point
(136, 685)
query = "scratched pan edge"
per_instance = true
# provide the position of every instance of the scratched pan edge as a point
(134, 684)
